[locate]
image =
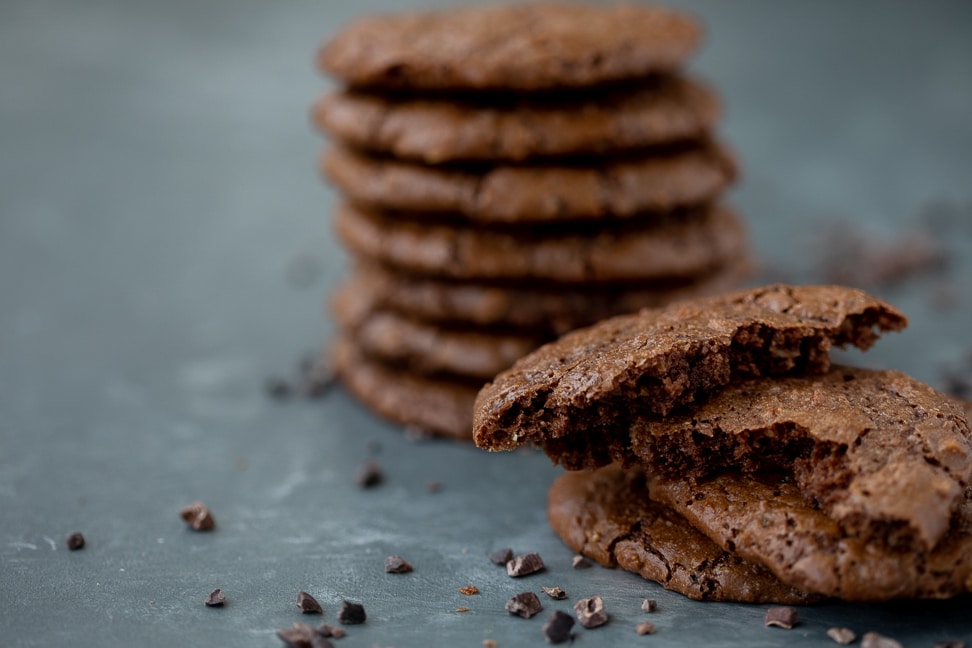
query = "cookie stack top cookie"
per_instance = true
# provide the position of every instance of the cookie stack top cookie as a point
(508, 173)
(841, 482)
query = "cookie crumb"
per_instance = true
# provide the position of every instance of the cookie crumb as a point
(875, 640)
(462, 609)
(645, 628)
(308, 604)
(302, 635)
(843, 636)
(557, 628)
(489, 643)
(469, 590)
(590, 612)
(351, 613)
(198, 517)
(397, 565)
(649, 605)
(580, 562)
(524, 604)
(369, 475)
(781, 617)
(326, 630)
(501, 556)
(216, 598)
(555, 593)
(75, 541)
(524, 565)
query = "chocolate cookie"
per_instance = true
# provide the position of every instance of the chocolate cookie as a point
(426, 348)
(607, 516)
(439, 406)
(576, 397)
(884, 455)
(433, 130)
(510, 46)
(689, 246)
(617, 189)
(770, 523)
(549, 309)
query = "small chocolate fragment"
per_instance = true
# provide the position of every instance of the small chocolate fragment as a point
(580, 562)
(331, 631)
(949, 643)
(843, 636)
(397, 565)
(524, 604)
(216, 598)
(351, 613)
(75, 541)
(369, 475)
(590, 612)
(308, 604)
(501, 556)
(781, 617)
(198, 517)
(277, 388)
(645, 628)
(555, 593)
(875, 640)
(469, 590)
(649, 605)
(523, 565)
(302, 635)
(557, 628)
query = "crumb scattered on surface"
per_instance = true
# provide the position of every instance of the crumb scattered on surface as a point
(469, 590)
(198, 517)
(590, 612)
(781, 617)
(75, 541)
(645, 628)
(843, 636)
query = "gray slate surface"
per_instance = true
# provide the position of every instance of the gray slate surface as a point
(164, 247)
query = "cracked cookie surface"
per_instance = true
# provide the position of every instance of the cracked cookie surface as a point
(606, 515)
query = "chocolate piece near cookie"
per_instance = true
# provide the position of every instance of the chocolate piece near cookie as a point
(555, 593)
(607, 515)
(198, 516)
(351, 613)
(433, 129)
(685, 245)
(881, 453)
(216, 598)
(781, 617)
(308, 604)
(525, 604)
(636, 187)
(543, 308)
(590, 612)
(75, 541)
(556, 629)
(577, 397)
(440, 405)
(397, 565)
(501, 556)
(543, 46)
(529, 563)
(369, 475)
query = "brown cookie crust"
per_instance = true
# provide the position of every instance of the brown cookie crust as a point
(513, 305)
(433, 130)
(696, 244)
(442, 407)
(769, 522)
(426, 348)
(625, 189)
(576, 397)
(883, 454)
(525, 46)
(608, 516)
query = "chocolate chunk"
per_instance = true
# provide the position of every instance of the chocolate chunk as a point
(843, 636)
(949, 643)
(75, 541)
(580, 562)
(526, 564)
(875, 640)
(501, 556)
(302, 635)
(216, 598)
(397, 565)
(351, 613)
(555, 593)
(645, 628)
(649, 605)
(369, 475)
(331, 631)
(781, 617)
(525, 604)
(557, 628)
(590, 612)
(469, 590)
(308, 604)
(198, 517)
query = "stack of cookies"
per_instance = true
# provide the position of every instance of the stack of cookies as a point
(748, 467)
(509, 173)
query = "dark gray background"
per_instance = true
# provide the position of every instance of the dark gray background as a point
(164, 246)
